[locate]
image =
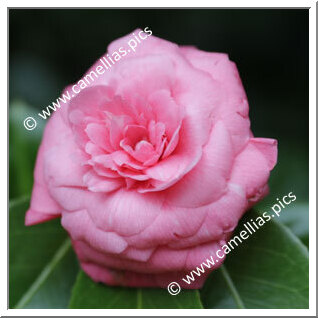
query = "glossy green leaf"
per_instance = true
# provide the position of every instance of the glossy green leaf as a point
(296, 217)
(42, 265)
(267, 270)
(90, 295)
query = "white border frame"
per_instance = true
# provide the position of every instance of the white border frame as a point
(312, 160)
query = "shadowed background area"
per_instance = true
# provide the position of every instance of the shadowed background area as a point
(50, 49)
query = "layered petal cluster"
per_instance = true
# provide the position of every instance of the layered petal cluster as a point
(152, 166)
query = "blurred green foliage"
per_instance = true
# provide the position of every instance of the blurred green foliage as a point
(23, 147)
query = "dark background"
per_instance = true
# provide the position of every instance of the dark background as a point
(50, 49)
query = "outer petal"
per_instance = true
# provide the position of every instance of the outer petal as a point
(43, 207)
(164, 266)
(251, 168)
(232, 108)
(207, 182)
(80, 227)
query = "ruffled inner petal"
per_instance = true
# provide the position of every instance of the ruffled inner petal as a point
(124, 137)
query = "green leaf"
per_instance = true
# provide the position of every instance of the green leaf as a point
(296, 217)
(23, 149)
(267, 270)
(90, 295)
(42, 266)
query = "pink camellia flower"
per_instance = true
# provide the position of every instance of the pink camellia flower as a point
(151, 167)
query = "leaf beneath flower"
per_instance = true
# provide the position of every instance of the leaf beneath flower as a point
(90, 295)
(267, 270)
(42, 265)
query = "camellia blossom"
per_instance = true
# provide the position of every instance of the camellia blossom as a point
(151, 167)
